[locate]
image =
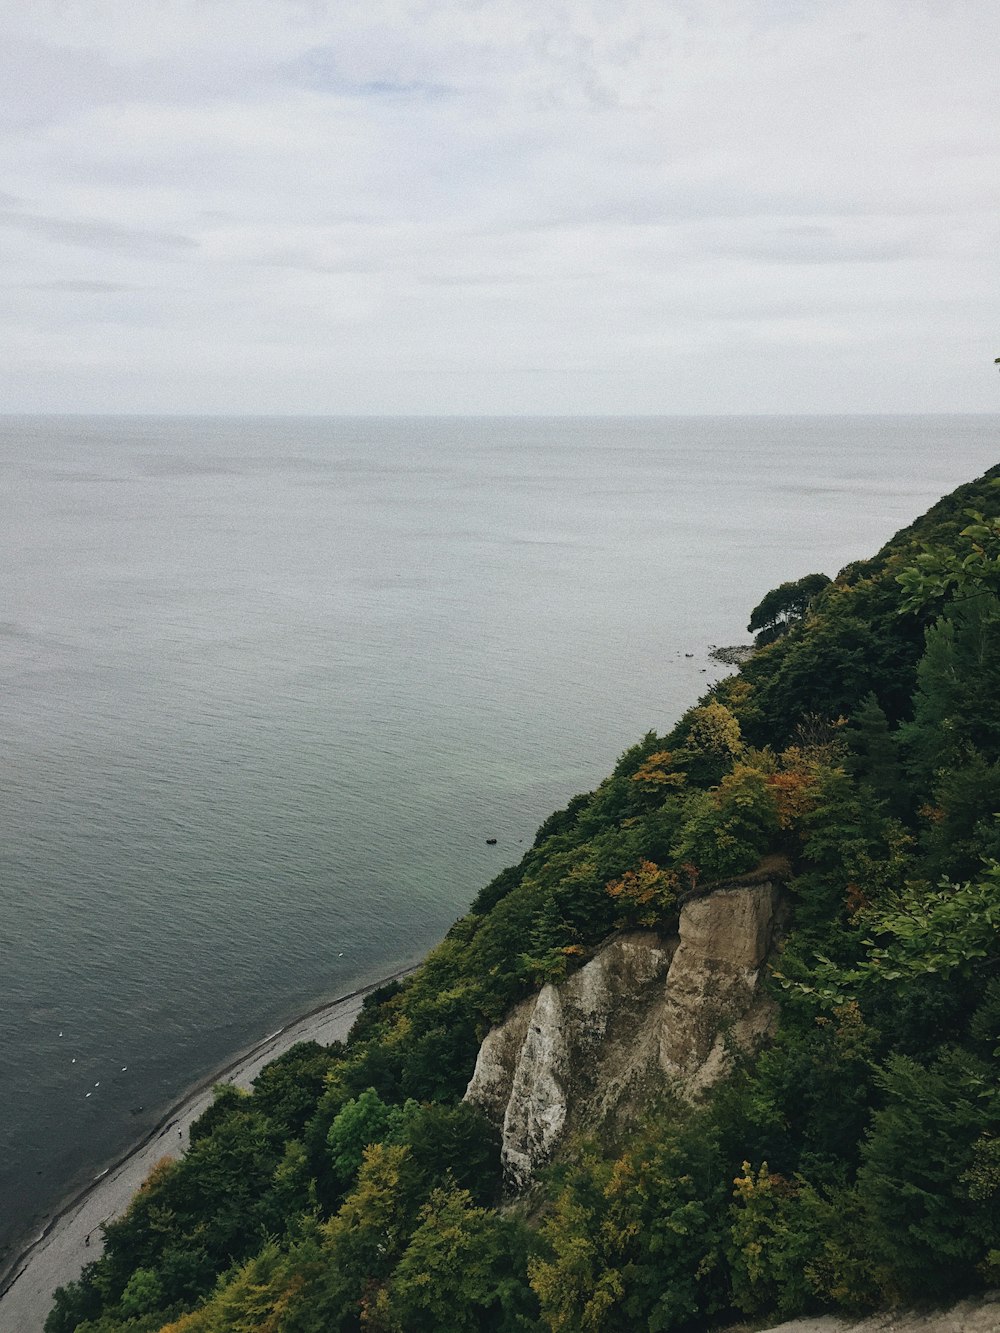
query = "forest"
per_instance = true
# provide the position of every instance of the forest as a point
(852, 1163)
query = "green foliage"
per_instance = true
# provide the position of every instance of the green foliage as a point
(951, 932)
(710, 740)
(258, 1296)
(970, 567)
(775, 1236)
(455, 1144)
(143, 1293)
(807, 1105)
(74, 1303)
(488, 896)
(359, 1246)
(362, 1121)
(783, 606)
(790, 1250)
(193, 1218)
(852, 855)
(929, 1227)
(726, 830)
(874, 759)
(829, 667)
(142, 1323)
(982, 1179)
(957, 703)
(962, 829)
(562, 821)
(462, 1271)
(227, 1100)
(954, 929)
(858, 754)
(286, 1090)
(618, 1227)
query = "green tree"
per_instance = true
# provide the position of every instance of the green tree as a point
(251, 1299)
(362, 1121)
(957, 703)
(143, 1293)
(783, 607)
(195, 1217)
(453, 1142)
(808, 1102)
(727, 829)
(463, 1271)
(874, 757)
(771, 1248)
(927, 1227)
(287, 1089)
(711, 742)
(637, 1242)
(74, 1303)
(790, 1249)
(964, 568)
(360, 1246)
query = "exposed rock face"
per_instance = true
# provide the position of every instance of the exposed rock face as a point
(711, 993)
(646, 1013)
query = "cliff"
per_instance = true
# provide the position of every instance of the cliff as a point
(647, 1015)
(602, 987)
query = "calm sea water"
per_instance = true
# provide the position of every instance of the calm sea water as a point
(268, 686)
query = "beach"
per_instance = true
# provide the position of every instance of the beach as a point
(72, 1238)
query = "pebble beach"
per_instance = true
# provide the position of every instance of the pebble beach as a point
(73, 1238)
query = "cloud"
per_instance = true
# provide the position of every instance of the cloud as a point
(848, 241)
(320, 69)
(79, 285)
(96, 235)
(302, 205)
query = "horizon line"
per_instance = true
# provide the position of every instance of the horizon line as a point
(470, 416)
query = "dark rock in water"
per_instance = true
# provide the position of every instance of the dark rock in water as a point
(491, 842)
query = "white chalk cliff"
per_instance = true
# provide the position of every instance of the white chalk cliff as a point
(646, 1013)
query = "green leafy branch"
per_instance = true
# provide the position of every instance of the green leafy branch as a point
(953, 930)
(937, 573)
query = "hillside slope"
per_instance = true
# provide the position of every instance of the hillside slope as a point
(851, 1163)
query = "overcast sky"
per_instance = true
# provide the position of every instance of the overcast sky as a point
(506, 206)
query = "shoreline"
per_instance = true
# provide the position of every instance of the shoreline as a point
(71, 1237)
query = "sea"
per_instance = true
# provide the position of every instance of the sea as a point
(272, 686)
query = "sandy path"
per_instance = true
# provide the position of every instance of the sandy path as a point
(73, 1237)
(979, 1315)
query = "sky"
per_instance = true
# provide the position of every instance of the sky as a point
(499, 206)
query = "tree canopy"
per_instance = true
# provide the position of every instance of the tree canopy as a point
(783, 607)
(852, 1163)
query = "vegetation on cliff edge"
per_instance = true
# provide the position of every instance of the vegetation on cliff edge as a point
(854, 1162)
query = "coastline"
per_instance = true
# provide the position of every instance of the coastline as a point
(71, 1238)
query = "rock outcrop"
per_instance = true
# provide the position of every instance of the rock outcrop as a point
(646, 1013)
